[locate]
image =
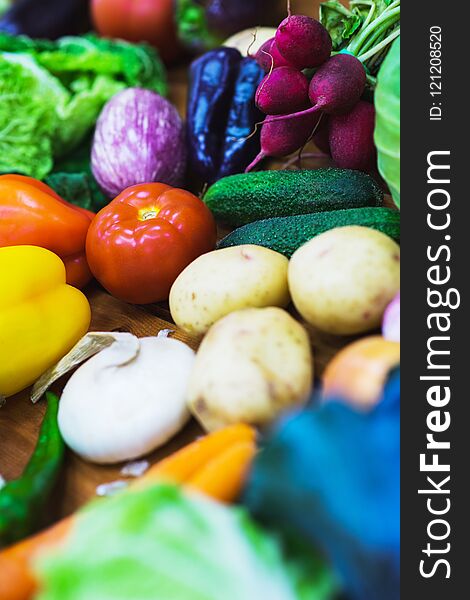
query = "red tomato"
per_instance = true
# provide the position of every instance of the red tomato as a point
(149, 21)
(139, 243)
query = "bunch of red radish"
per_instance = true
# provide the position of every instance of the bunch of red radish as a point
(328, 107)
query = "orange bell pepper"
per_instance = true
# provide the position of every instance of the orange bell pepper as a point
(31, 213)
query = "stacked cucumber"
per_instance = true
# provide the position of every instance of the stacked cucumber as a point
(282, 210)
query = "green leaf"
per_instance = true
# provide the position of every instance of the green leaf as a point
(73, 180)
(160, 543)
(351, 26)
(340, 22)
(134, 65)
(80, 189)
(78, 160)
(81, 112)
(387, 128)
(362, 7)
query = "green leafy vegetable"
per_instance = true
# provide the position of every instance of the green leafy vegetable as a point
(73, 180)
(340, 22)
(28, 100)
(55, 91)
(78, 160)
(366, 30)
(363, 7)
(387, 127)
(78, 188)
(159, 543)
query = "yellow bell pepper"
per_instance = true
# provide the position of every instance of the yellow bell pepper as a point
(41, 317)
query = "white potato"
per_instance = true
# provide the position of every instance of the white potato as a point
(219, 282)
(252, 365)
(127, 400)
(342, 280)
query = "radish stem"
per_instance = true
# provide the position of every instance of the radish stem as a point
(390, 16)
(380, 46)
(378, 33)
(369, 16)
(301, 113)
(254, 34)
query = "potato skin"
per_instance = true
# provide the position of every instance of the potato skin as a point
(219, 282)
(342, 280)
(252, 365)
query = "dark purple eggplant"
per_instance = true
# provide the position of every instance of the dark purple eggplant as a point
(46, 19)
(230, 16)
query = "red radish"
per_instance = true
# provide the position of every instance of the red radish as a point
(269, 56)
(283, 90)
(336, 87)
(303, 41)
(284, 137)
(352, 138)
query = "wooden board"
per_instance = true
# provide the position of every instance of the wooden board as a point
(20, 419)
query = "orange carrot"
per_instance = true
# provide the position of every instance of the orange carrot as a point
(223, 476)
(224, 455)
(17, 581)
(183, 464)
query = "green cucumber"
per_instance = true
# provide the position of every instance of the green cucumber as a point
(286, 234)
(240, 199)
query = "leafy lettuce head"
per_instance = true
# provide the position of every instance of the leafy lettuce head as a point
(51, 93)
(158, 543)
(29, 97)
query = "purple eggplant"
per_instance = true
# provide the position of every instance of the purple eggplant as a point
(47, 19)
(139, 138)
(230, 16)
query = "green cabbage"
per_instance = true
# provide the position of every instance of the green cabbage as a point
(159, 544)
(51, 93)
(387, 129)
